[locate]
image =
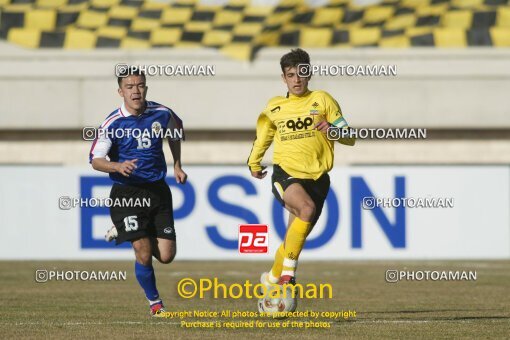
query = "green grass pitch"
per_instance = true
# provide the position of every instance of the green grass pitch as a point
(117, 309)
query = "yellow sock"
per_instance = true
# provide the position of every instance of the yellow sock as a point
(276, 270)
(294, 243)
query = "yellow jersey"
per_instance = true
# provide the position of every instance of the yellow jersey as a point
(300, 150)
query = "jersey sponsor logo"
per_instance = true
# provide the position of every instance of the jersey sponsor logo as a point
(295, 125)
(299, 124)
(296, 128)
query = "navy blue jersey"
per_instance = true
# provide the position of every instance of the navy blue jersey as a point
(123, 137)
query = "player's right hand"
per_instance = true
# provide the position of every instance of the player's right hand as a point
(259, 174)
(126, 168)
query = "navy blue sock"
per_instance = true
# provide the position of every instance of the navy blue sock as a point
(147, 279)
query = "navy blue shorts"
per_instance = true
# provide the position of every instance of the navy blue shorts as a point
(139, 220)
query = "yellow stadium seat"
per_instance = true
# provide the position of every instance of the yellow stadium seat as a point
(315, 37)
(412, 31)
(377, 13)
(278, 18)
(327, 16)
(197, 26)
(503, 17)
(144, 24)
(176, 15)
(43, 19)
(165, 36)
(248, 29)
(500, 36)
(112, 32)
(227, 18)
(79, 39)
(51, 3)
(91, 19)
(26, 37)
(467, 3)
(17, 8)
(217, 38)
(364, 36)
(450, 37)
(152, 5)
(104, 3)
(123, 12)
(401, 21)
(457, 19)
(268, 38)
(431, 10)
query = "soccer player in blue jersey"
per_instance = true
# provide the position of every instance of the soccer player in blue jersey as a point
(129, 147)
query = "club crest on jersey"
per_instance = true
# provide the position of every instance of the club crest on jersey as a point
(156, 127)
(313, 110)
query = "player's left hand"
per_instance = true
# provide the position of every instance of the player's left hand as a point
(180, 175)
(322, 126)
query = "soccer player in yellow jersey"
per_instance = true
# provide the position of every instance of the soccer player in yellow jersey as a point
(303, 155)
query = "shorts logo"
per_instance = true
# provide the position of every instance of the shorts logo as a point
(253, 239)
(168, 230)
(279, 188)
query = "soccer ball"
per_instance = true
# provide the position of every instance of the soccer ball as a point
(278, 302)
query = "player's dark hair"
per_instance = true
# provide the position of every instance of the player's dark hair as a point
(126, 71)
(294, 58)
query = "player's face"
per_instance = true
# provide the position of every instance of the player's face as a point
(296, 85)
(133, 90)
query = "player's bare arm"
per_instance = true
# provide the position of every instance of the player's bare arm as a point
(175, 149)
(125, 168)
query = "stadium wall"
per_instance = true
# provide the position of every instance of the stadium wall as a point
(432, 89)
(48, 96)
